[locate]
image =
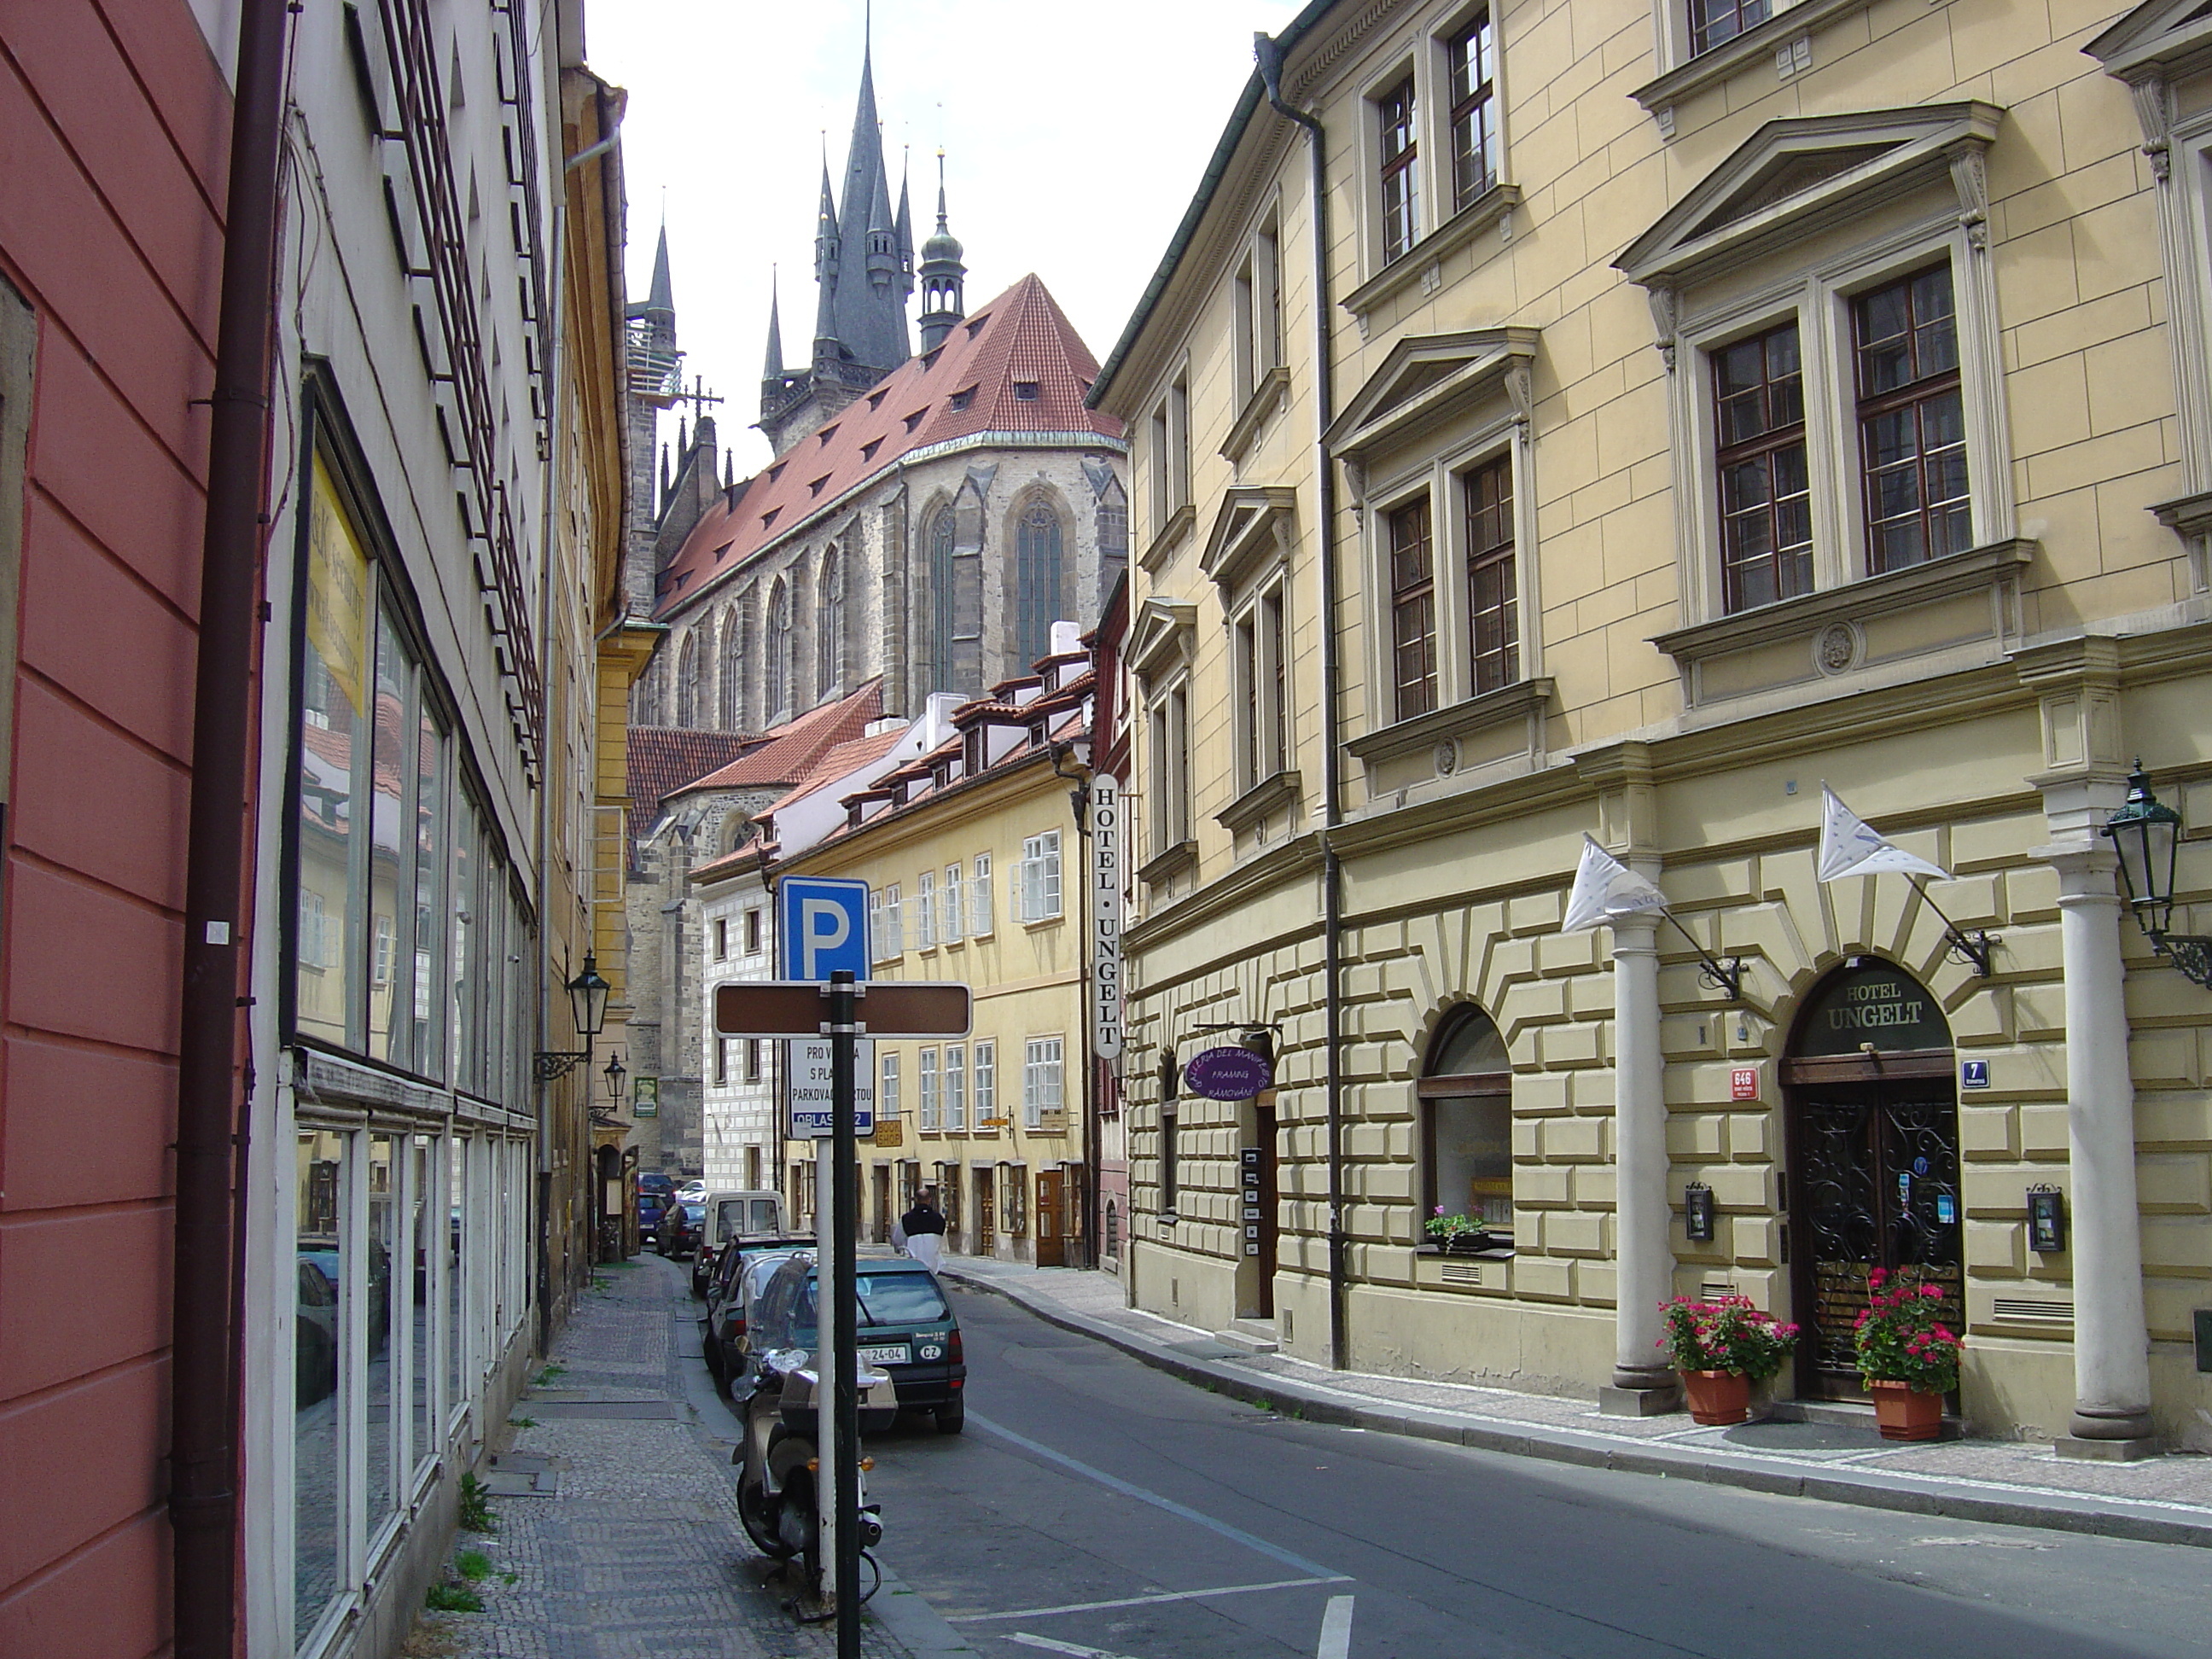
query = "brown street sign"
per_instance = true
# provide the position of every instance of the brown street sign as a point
(771, 1008)
(800, 1008)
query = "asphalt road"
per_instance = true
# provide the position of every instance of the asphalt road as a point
(1099, 1509)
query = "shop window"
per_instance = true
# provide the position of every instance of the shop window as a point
(319, 1351)
(1465, 1096)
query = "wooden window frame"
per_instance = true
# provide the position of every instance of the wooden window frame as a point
(1788, 569)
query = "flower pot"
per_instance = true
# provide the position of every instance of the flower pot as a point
(1717, 1397)
(1469, 1243)
(1904, 1411)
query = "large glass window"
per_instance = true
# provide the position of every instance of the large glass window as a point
(331, 951)
(426, 1272)
(1912, 423)
(458, 1233)
(1766, 521)
(428, 1053)
(386, 1425)
(1467, 1123)
(390, 867)
(319, 1364)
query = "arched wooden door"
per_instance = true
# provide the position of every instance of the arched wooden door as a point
(1870, 1087)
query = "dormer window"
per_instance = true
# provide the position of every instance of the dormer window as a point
(929, 359)
(722, 552)
(868, 449)
(814, 486)
(769, 518)
(1025, 391)
(975, 324)
(915, 419)
(971, 751)
(776, 471)
(826, 434)
(876, 398)
(963, 398)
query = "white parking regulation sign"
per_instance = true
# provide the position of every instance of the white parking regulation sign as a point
(806, 1075)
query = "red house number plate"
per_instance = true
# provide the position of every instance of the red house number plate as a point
(1743, 1083)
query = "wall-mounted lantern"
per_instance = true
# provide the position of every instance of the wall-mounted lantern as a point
(615, 1074)
(587, 1003)
(2147, 833)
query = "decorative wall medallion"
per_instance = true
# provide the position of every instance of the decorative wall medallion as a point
(1837, 647)
(1447, 759)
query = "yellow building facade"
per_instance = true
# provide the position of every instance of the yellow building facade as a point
(1688, 407)
(972, 855)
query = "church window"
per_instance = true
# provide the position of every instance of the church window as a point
(830, 629)
(777, 693)
(687, 682)
(1037, 581)
(737, 651)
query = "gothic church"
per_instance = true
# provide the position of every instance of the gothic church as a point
(926, 519)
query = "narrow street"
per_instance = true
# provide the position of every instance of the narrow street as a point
(1096, 1507)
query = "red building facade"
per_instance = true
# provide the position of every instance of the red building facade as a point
(114, 141)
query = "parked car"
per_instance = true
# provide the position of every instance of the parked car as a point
(907, 1328)
(679, 1229)
(740, 1270)
(692, 1189)
(655, 1192)
(743, 1213)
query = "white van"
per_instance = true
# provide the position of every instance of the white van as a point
(740, 1214)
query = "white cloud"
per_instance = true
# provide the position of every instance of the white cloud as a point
(1074, 138)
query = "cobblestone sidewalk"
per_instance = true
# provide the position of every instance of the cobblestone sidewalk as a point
(2167, 1499)
(635, 1551)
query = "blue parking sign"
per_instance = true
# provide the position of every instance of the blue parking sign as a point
(822, 926)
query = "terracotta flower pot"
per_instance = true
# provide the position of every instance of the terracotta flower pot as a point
(1717, 1397)
(1904, 1411)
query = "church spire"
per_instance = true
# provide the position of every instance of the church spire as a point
(772, 372)
(661, 297)
(944, 278)
(905, 229)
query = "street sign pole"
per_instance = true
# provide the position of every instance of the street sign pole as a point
(844, 1324)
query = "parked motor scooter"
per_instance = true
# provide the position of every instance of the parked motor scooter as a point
(782, 1481)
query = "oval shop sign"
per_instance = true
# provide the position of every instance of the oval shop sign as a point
(1227, 1074)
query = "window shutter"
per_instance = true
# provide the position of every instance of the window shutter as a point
(979, 897)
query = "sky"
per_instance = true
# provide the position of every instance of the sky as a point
(1074, 137)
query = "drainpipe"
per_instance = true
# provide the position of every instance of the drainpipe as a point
(1269, 52)
(205, 1365)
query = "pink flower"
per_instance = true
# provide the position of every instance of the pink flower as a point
(1933, 1292)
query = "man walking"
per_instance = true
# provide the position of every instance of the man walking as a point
(924, 1227)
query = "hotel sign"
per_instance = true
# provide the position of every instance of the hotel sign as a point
(1878, 1005)
(1104, 872)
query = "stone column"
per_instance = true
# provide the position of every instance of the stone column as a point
(2111, 1342)
(1644, 1384)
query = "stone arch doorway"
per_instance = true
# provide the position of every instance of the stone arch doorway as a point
(1871, 1103)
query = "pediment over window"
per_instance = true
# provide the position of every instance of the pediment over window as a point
(1253, 521)
(1161, 636)
(2156, 44)
(1796, 176)
(2170, 40)
(1429, 376)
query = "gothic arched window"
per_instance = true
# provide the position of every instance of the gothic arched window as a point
(730, 681)
(1037, 582)
(829, 628)
(687, 682)
(939, 540)
(776, 693)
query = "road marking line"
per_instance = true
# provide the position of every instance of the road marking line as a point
(1336, 1630)
(1146, 1600)
(1114, 1482)
(1051, 1646)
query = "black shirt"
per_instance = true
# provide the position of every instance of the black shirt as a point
(921, 1219)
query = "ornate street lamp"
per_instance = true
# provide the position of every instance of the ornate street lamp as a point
(615, 1075)
(2147, 833)
(587, 1002)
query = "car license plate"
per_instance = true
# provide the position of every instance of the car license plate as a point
(885, 1354)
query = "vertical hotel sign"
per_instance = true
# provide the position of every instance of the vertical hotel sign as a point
(1105, 878)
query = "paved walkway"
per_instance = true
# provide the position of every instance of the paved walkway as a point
(2167, 1499)
(617, 1528)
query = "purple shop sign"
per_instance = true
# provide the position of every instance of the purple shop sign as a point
(1227, 1074)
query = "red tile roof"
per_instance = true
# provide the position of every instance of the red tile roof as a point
(842, 761)
(663, 759)
(968, 385)
(793, 750)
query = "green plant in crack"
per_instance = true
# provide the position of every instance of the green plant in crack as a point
(547, 1376)
(454, 1598)
(522, 1422)
(472, 1564)
(476, 1514)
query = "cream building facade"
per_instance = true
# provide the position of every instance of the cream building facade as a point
(1691, 406)
(971, 850)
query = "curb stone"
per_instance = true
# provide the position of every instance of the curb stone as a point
(1911, 1494)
